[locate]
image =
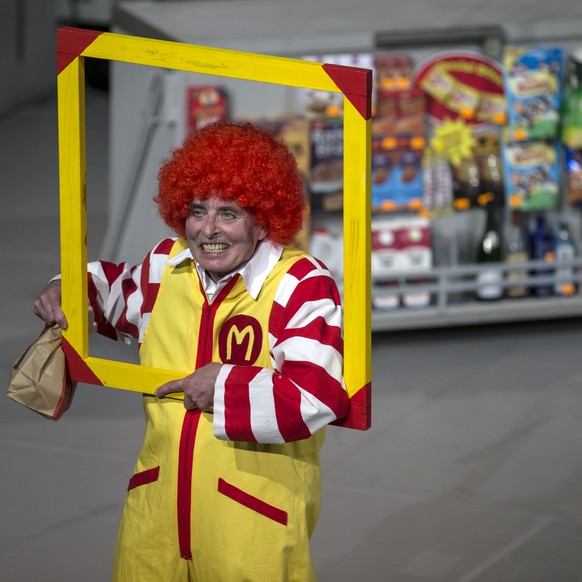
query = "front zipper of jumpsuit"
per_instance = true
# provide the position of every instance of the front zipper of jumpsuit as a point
(190, 424)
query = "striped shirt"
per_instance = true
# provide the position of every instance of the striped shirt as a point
(304, 390)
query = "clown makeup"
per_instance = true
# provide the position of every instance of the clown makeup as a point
(221, 235)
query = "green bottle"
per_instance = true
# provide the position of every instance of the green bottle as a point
(489, 255)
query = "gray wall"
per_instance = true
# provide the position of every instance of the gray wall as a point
(27, 51)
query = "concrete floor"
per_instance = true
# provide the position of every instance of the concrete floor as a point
(472, 471)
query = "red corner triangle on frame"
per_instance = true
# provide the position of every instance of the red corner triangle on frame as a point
(359, 416)
(71, 42)
(76, 366)
(355, 83)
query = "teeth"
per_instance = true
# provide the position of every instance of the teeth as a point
(214, 248)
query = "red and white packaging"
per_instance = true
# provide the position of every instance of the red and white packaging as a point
(400, 245)
(205, 105)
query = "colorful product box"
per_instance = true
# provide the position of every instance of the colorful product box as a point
(533, 87)
(206, 104)
(397, 179)
(326, 154)
(400, 245)
(393, 72)
(398, 121)
(532, 175)
(326, 175)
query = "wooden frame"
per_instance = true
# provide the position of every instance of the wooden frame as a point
(355, 84)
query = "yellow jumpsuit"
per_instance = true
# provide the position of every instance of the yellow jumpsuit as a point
(203, 509)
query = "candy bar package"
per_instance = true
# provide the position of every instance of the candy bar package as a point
(532, 175)
(533, 88)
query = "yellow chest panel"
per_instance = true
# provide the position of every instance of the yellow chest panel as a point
(186, 332)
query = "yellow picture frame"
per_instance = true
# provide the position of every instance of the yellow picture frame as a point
(73, 45)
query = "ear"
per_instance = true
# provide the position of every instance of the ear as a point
(262, 233)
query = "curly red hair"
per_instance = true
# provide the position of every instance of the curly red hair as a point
(235, 161)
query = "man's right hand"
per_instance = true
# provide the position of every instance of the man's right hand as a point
(47, 305)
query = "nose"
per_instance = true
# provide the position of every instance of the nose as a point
(210, 227)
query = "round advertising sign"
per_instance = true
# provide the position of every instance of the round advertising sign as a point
(462, 84)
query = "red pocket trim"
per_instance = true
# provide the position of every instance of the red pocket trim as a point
(143, 478)
(252, 502)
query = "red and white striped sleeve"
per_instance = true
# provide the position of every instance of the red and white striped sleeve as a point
(305, 390)
(122, 296)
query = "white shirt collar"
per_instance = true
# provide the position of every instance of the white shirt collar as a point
(254, 272)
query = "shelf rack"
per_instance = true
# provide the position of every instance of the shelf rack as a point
(453, 290)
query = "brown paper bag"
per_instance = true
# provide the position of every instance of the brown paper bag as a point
(39, 378)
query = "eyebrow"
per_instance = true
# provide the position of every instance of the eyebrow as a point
(200, 205)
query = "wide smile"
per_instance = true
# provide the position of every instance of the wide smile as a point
(213, 248)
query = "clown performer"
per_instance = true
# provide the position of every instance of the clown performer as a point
(227, 484)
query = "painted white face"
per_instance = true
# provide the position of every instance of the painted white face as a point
(221, 235)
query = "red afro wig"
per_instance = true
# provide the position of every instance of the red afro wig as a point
(238, 162)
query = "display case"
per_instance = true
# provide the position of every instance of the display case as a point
(434, 281)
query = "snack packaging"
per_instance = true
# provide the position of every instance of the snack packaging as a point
(532, 175)
(533, 87)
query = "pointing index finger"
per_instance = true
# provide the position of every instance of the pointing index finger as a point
(169, 387)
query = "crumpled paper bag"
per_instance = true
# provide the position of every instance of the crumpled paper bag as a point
(39, 378)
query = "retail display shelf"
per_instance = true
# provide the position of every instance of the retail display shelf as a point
(477, 313)
(449, 294)
(439, 288)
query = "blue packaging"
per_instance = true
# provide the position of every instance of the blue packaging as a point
(533, 89)
(532, 175)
